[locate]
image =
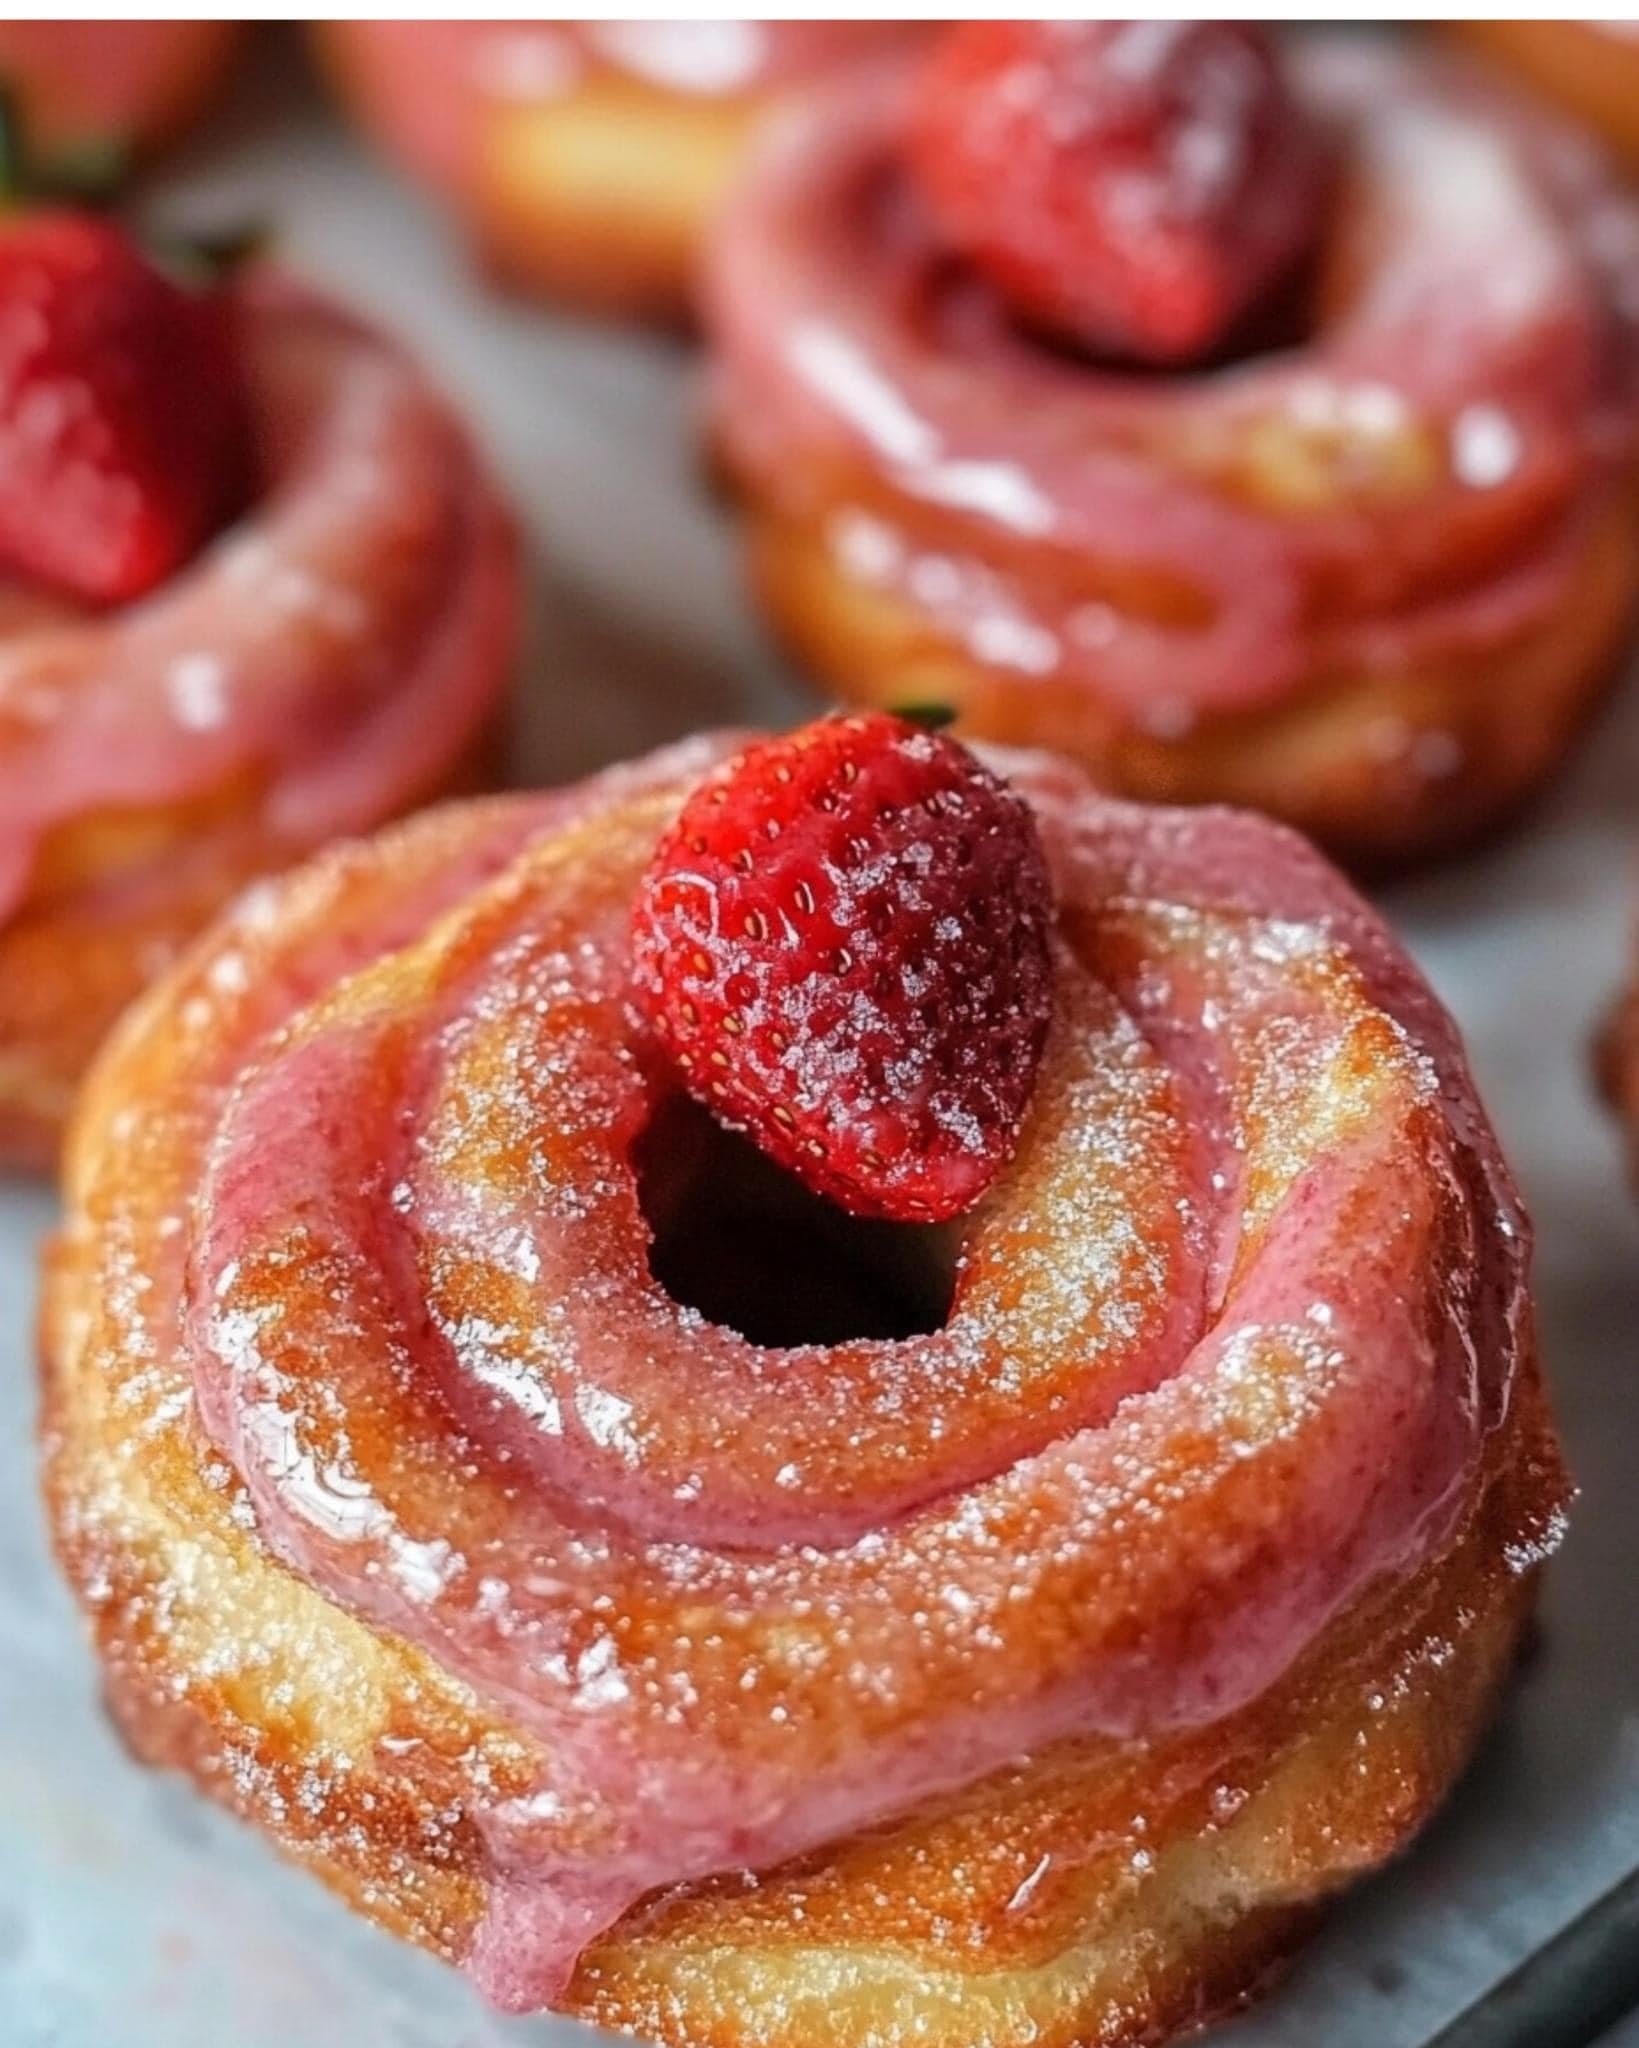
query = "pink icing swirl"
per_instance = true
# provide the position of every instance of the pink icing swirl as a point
(1413, 478)
(340, 647)
(1226, 1347)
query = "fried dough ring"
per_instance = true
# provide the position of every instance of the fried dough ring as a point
(334, 659)
(587, 158)
(1238, 1459)
(1371, 583)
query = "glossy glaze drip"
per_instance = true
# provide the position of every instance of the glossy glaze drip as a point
(334, 651)
(1226, 1345)
(1412, 481)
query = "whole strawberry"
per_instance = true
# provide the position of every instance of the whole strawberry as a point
(120, 410)
(843, 944)
(1131, 185)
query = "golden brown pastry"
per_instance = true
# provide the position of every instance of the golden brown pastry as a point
(1355, 545)
(1031, 1671)
(333, 658)
(586, 157)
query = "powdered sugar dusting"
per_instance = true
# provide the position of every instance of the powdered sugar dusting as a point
(1256, 1268)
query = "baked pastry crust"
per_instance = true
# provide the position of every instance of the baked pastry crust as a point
(1114, 1862)
(335, 658)
(587, 158)
(1371, 582)
(1384, 768)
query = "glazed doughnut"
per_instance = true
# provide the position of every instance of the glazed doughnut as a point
(333, 659)
(1031, 1678)
(586, 157)
(1370, 583)
(1591, 68)
(136, 84)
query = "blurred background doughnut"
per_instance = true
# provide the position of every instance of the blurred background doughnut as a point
(585, 158)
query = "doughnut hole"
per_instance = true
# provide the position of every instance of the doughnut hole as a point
(739, 1239)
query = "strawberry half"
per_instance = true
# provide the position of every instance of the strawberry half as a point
(843, 942)
(1131, 185)
(121, 414)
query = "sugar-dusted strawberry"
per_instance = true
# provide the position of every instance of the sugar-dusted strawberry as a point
(1130, 185)
(121, 428)
(843, 943)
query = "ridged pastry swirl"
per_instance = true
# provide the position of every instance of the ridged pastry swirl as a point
(1367, 579)
(333, 659)
(384, 1463)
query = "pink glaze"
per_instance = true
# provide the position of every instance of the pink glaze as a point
(1479, 299)
(343, 645)
(108, 80)
(753, 1600)
(424, 86)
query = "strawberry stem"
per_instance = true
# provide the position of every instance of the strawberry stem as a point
(206, 257)
(933, 717)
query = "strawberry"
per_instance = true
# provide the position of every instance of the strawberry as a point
(1132, 186)
(121, 416)
(843, 945)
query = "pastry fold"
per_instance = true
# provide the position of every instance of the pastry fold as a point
(1033, 1678)
(1367, 574)
(333, 659)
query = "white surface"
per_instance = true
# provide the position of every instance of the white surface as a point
(132, 1916)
